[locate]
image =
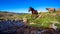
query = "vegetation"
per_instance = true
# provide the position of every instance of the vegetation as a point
(44, 21)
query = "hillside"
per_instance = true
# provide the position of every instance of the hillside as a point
(10, 15)
(44, 20)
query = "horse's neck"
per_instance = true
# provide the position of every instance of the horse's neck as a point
(33, 12)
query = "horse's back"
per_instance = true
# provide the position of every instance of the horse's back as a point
(36, 12)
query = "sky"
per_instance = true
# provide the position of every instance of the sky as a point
(22, 6)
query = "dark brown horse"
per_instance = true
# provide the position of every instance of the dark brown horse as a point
(34, 12)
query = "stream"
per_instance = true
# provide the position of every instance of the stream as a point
(18, 27)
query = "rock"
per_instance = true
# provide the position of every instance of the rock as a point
(52, 25)
(25, 20)
(32, 23)
(39, 16)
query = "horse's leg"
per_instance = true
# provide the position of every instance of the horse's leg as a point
(37, 15)
(32, 16)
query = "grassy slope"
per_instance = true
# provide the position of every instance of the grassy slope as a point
(45, 20)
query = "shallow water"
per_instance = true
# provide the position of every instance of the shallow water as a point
(7, 27)
(18, 27)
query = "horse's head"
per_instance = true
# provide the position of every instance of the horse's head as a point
(30, 9)
(47, 8)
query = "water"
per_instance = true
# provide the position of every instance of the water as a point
(17, 27)
(9, 26)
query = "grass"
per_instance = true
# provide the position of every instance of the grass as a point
(43, 21)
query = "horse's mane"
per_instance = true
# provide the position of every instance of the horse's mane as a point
(32, 8)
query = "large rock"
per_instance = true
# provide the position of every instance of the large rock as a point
(25, 20)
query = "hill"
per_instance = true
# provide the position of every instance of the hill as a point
(44, 19)
(10, 15)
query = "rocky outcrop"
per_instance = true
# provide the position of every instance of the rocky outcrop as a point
(25, 20)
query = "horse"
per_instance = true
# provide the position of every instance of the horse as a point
(34, 12)
(51, 10)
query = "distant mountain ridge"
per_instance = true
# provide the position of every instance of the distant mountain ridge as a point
(10, 15)
(12, 12)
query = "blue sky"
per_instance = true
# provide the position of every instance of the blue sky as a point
(21, 6)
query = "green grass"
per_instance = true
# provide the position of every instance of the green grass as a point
(43, 21)
(46, 20)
